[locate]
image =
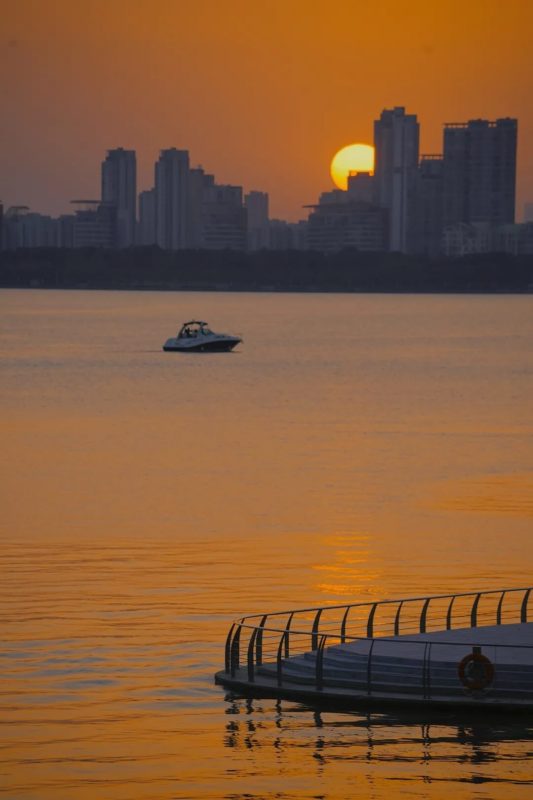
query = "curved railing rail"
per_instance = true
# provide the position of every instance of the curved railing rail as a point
(273, 638)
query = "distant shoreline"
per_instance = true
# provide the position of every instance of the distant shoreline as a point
(291, 271)
(246, 290)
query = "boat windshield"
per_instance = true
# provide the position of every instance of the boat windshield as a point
(193, 329)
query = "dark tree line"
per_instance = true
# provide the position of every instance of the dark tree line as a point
(290, 270)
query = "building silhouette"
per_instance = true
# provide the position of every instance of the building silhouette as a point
(427, 209)
(396, 143)
(348, 218)
(198, 182)
(334, 226)
(256, 204)
(94, 224)
(171, 199)
(119, 187)
(146, 229)
(283, 235)
(22, 228)
(65, 230)
(515, 239)
(360, 187)
(479, 172)
(455, 204)
(223, 217)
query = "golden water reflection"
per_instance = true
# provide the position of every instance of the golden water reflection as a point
(406, 752)
(148, 500)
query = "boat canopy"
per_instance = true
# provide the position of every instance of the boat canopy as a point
(193, 328)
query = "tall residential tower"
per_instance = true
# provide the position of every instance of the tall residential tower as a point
(396, 137)
(479, 172)
(172, 199)
(119, 187)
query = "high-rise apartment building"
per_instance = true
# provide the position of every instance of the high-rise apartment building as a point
(199, 182)
(396, 142)
(479, 172)
(256, 204)
(119, 186)
(428, 207)
(223, 218)
(171, 199)
(146, 230)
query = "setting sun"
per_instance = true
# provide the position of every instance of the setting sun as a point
(353, 158)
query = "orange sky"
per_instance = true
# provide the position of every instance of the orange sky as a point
(261, 93)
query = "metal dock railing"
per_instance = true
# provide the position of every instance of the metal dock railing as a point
(428, 648)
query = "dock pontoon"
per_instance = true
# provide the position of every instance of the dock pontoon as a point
(470, 649)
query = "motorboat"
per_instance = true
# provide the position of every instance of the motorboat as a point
(196, 337)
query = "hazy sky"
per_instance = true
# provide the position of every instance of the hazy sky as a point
(262, 93)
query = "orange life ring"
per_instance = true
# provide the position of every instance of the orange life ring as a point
(476, 671)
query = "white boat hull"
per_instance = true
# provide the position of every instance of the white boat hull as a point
(201, 344)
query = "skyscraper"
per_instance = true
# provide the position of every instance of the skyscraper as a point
(146, 231)
(479, 172)
(119, 186)
(198, 183)
(428, 206)
(396, 137)
(256, 204)
(171, 199)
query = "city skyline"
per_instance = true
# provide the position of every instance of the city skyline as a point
(118, 176)
(261, 100)
(452, 203)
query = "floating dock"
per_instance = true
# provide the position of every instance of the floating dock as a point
(467, 649)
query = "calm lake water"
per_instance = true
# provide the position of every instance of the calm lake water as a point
(353, 447)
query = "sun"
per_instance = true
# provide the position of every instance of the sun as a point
(350, 159)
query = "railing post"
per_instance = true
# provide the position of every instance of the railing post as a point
(499, 609)
(449, 614)
(227, 651)
(319, 672)
(279, 659)
(316, 622)
(370, 622)
(343, 624)
(235, 651)
(523, 608)
(251, 659)
(426, 678)
(423, 615)
(259, 648)
(397, 619)
(288, 627)
(473, 613)
(369, 669)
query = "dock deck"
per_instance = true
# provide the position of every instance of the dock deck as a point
(314, 655)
